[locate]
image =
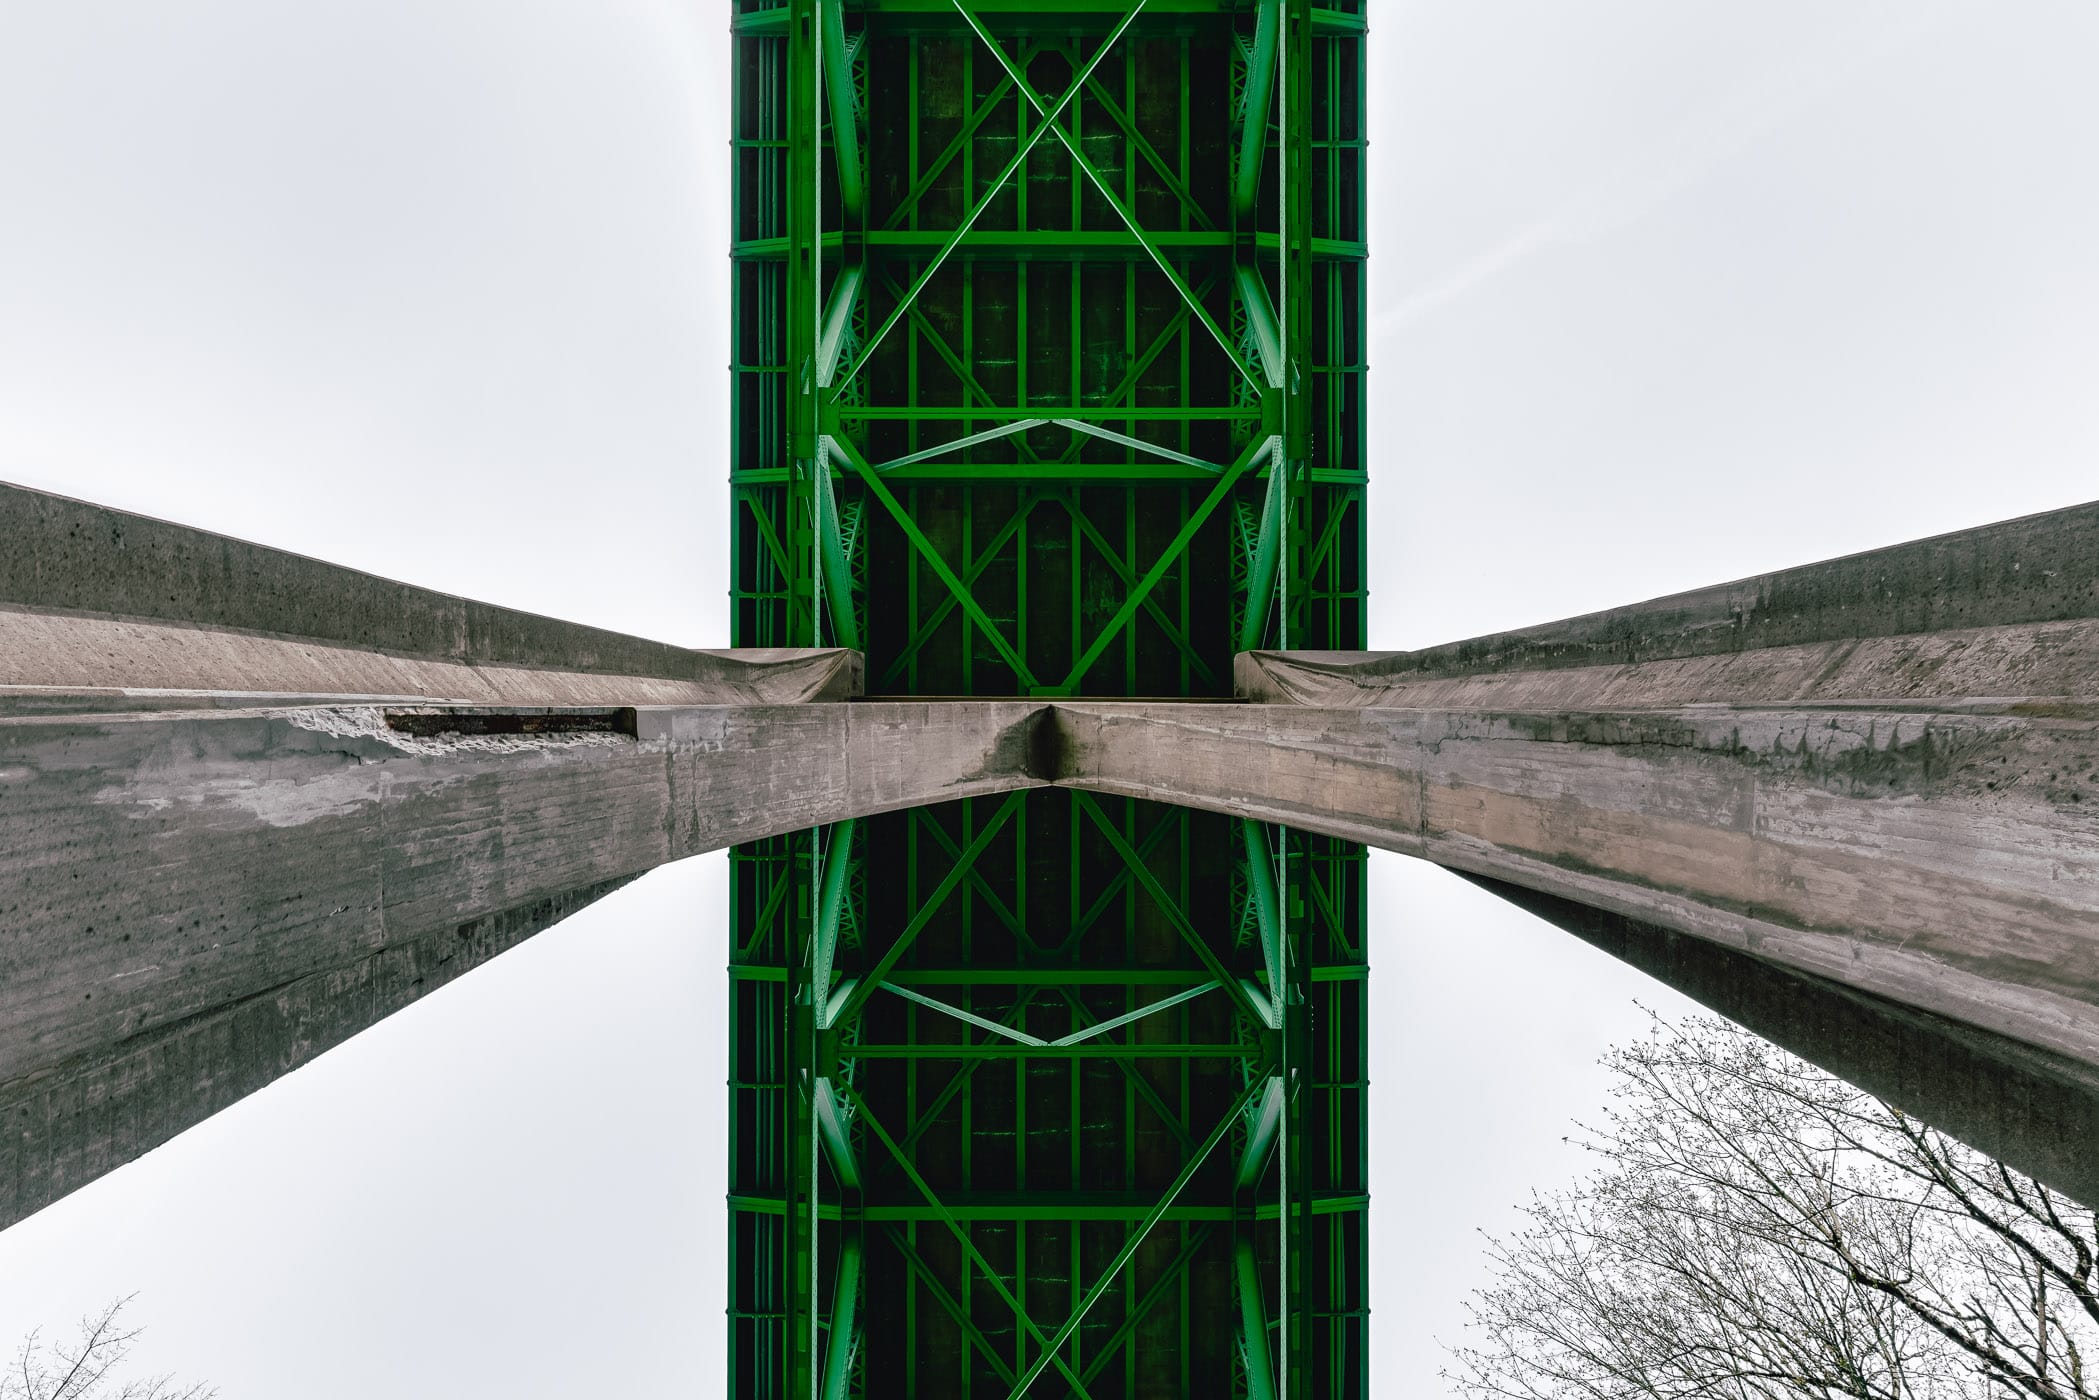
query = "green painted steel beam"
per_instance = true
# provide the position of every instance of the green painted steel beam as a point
(1004, 1210)
(1052, 976)
(1252, 292)
(838, 316)
(1049, 1353)
(1149, 1009)
(1092, 1050)
(1046, 1207)
(1260, 1137)
(1175, 1274)
(949, 242)
(1131, 1244)
(843, 108)
(1167, 559)
(961, 444)
(1261, 574)
(1036, 342)
(960, 1081)
(912, 247)
(1110, 556)
(836, 1136)
(837, 866)
(901, 944)
(979, 884)
(1152, 244)
(1253, 1321)
(1171, 908)
(958, 593)
(933, 170)
(1080, 425)
(1037, 975)
(966, 1017)
(833, 564)
(1260, 90)
(956, 1313)
(931, 553)
(1146, 413)
(1031, 15)
(1268, 913)
(843, 1338)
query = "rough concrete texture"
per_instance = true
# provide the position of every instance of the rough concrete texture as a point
(1948, 861)
(99, 599)
(2035, 662)
(1891, 831)
(2018, 574)
(2039, 1112)
(68, 1125)
(167, 869)
(1865, 790)
(193, 902)
(49, 656)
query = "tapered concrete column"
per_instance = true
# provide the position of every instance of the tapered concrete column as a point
(1856, 805)
(226, 846)
(1878, 776)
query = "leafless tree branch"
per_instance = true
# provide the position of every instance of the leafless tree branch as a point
(1755, 1228)
(86, 1369)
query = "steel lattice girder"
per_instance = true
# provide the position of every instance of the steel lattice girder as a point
(1048, 379)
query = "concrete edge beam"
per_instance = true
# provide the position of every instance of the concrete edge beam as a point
(98, 599)
(1969, 585)
(2021, 667)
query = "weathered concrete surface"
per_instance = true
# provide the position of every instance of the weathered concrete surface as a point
(1863, 821)
(2038, 1111)
(57, 662)
(65, 1126)
(1949, 861)
(233, 831)
(2010, 609)
(1862, 794)
(193, 902)
(94, 599)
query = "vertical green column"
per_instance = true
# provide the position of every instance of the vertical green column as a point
(1295, 252)
(799, 1147)
(1296, 1177)
(804, 311)
(805, 523)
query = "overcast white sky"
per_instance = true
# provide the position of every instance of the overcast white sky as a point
(1664, 293)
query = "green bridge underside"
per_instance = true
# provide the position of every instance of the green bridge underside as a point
(1048, 380)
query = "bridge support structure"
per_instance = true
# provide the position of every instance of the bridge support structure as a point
(1048, 755)
(1852, 806)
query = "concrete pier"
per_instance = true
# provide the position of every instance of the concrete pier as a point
(251, 803)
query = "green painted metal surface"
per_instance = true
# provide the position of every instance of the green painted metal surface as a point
(1047, 351)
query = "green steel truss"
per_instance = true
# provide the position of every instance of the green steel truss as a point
(1048, 380)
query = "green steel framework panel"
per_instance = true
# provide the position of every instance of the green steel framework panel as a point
(1047, 355)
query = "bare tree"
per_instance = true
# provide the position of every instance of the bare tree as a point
(1756, 1228)
(88, 1369)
